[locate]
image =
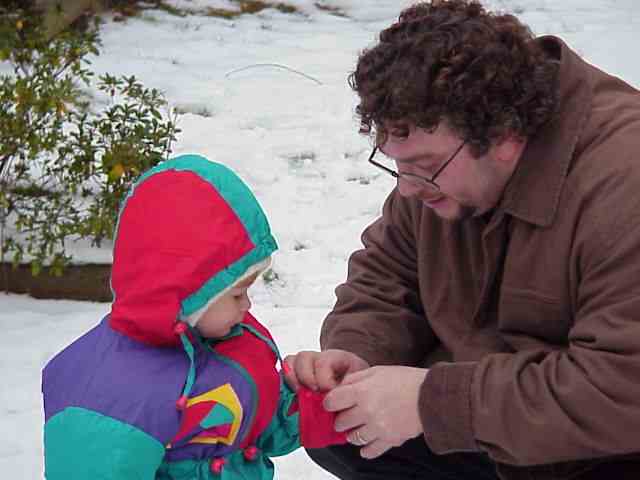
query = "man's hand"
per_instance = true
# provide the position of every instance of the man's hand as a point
(321, 370)
(379, 406)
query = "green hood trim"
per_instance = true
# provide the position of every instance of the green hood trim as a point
(242, 201)
(227, 277)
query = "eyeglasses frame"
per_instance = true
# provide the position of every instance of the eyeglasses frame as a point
(429, 182)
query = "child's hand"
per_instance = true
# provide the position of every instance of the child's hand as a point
(320, 371)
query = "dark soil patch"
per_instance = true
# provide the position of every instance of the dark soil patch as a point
(78, 282)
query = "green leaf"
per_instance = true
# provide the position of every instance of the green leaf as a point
(36, 268)
(69, 172)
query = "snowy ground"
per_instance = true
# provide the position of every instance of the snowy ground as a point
(293, 138)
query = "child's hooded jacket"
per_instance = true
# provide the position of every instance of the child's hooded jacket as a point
(142, 395)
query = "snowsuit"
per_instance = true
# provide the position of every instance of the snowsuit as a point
(142, 395)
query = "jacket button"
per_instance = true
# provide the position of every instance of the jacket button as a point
(179, 328)
(181, 403)
(251, 453)
(217, 464)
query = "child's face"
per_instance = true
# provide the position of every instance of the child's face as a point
(227, 311)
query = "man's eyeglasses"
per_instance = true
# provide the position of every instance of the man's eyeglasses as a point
(416, 180)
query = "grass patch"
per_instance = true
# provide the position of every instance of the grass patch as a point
(170, 9)
(270, 276)
(200, 110)
(330, 9)
(127, 9)
(248, 7)
(221, 13)
(298, 245)
(133, 8)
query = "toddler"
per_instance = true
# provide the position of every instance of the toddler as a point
(179, 381)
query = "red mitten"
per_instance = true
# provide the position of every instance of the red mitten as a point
(316, 424)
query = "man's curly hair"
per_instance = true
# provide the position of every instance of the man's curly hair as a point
(451, 60)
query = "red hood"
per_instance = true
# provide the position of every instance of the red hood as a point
(187, 230)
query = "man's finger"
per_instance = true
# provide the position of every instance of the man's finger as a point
(340, 398)
(374, 449)
(358, 376)
(349, 419)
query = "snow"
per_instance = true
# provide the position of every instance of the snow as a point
(267, 95)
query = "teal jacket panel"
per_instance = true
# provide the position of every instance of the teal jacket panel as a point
(282, 436)
(81, 445)
(236, 467)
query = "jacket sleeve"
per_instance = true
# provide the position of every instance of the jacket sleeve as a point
(575, 402)
(282, 435)
(80, 444)
(378, 314)
(300, 420)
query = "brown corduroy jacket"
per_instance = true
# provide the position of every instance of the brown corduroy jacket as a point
(529, 320)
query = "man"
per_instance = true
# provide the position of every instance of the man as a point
(497, 299)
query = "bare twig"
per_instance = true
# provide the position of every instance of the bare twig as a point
(275, 65)
(4, 165)
(5, 273)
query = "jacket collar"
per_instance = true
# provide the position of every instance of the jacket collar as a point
(533, 193)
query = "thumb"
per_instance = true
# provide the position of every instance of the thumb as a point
(356, 377)
(289, 375)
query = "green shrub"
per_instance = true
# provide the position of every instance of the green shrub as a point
(65, 168)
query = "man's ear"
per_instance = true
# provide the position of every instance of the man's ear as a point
(508, 150)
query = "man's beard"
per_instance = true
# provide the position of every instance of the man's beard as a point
(469, 211)
(465, 212)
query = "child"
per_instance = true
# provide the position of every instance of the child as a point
(179, 381)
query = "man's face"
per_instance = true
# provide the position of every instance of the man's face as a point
(469, 186)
